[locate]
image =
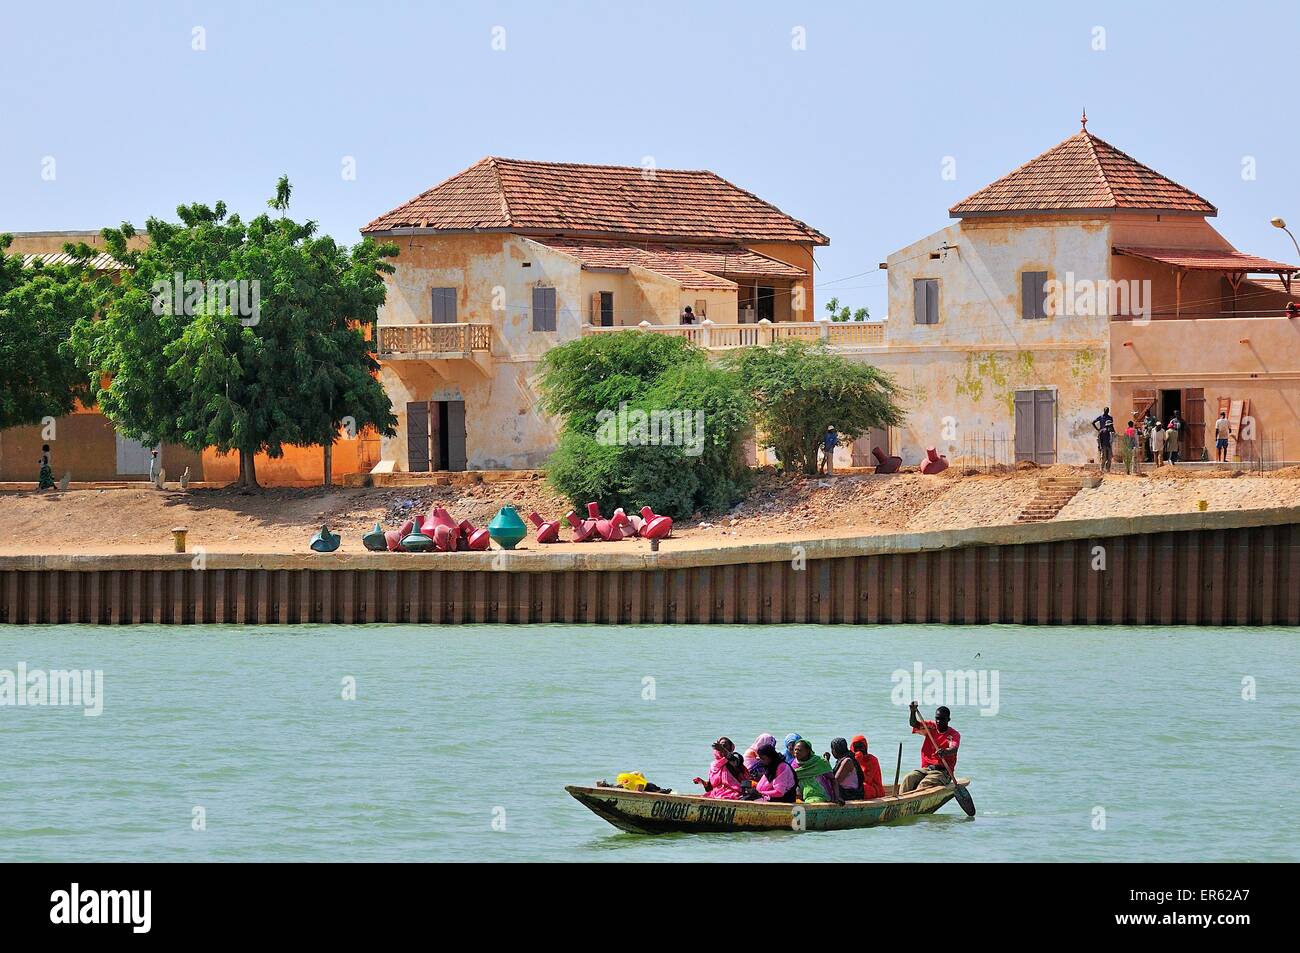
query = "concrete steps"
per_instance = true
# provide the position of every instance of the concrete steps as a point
(1053, 493)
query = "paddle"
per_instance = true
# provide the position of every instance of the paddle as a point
(898, 768)
(960, 793)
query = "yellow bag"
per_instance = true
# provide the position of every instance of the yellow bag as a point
(631, 781)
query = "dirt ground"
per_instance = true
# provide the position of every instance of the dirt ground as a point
(777, 508)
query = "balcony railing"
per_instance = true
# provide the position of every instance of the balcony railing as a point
(715, 337)
(436, 340)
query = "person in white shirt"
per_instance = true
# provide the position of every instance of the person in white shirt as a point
(1222, 431)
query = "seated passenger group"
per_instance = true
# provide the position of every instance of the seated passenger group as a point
(849, 772)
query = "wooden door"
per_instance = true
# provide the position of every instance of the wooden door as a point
(1193, 443)
(1144, 402)
(417, 437)
(1035, 419)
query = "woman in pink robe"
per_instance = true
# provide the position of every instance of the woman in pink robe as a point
(725, 773)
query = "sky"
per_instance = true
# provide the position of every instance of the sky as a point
(845, 115)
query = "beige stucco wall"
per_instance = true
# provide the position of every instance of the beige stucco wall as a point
(964, 371)
(495, 275)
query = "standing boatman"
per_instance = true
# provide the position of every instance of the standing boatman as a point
(931, 774)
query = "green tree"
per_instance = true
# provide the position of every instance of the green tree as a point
(604, 386)
(39, 305)
(799, 389)
(241, 336)
(838, 313)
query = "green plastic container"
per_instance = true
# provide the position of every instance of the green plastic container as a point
(507, 528)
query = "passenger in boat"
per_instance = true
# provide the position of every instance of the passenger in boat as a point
(752, 764)
(776, 780)
(931, 773)
(726, 773)
(870, 765)
(848, 775)
(815, 777)
(791, 740)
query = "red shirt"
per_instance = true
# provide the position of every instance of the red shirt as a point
(947, 740)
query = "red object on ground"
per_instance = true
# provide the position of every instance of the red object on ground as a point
(656, 527)
(548, 531)
(395, 536)
(599, 522)
(618, 526)
(886, 464)
(583, 530)
(934, 462)
(444, 538)
(471, 538)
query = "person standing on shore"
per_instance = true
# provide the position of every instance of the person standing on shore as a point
(1172, 434)
(1222, 431)
(1128, 449)
(46, 477)
(1157, 443)
(829, 443)
(1106, 447)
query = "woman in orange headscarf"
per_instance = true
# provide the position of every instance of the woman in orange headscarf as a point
(870, 765)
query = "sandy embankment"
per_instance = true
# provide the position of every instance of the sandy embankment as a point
(139, 520)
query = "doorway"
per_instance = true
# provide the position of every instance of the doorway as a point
(435, 436)
(607, 309)
(766, 304)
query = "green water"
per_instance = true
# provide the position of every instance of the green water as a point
(455, 728)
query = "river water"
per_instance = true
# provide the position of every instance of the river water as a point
(1099, 744)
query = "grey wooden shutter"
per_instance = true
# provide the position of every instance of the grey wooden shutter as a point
(543, 309)
(444, 305)
(1033, 289)
(925, 300)
(417, 437)
(1024, 425)
(1044, 426)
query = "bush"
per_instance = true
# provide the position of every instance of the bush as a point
(646, 420)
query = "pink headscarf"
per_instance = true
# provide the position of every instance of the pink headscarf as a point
(763, 739)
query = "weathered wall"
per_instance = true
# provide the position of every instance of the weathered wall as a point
(495, 274)
(964, 371)
(1239, 358)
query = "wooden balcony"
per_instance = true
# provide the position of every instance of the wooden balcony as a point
(848, 335)
(434, 342)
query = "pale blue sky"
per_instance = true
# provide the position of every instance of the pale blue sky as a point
(848, 134)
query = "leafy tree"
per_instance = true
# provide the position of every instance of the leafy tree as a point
(799, 389)
(39, 305)
(187, 360)
(602, 386)
(843, 314)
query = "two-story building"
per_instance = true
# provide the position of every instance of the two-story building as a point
(510, 258)
(1085, 279)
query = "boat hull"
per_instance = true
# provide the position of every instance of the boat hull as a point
(640, 812)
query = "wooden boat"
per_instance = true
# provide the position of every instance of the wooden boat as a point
(640, 812)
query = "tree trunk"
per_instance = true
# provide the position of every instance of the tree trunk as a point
(329, 463)
(248, 470)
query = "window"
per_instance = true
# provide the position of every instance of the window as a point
(444, 305)
(543, 309)
(1033, 295)
(925, 300)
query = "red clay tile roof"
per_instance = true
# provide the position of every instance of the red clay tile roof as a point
(552, 197)
(651, 257)
(1083, 172)
(1198, 259)
(690, 264)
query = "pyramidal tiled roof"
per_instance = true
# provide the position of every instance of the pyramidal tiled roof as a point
(596, 200)
(1083, 172)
